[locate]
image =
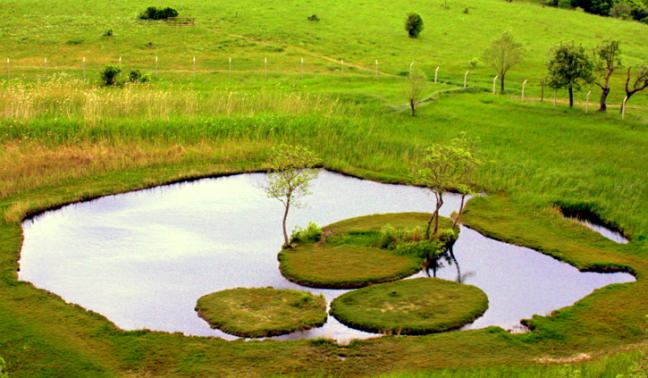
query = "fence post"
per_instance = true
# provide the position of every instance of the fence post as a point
(193, 65)
(376, 62)
(495, 84)
(623, 106)
(341, 66)
(265, 68)
(8, 69)
(301, 67)
(587, 100)
(466, 79)
(156, 65)
(523, 88)
(229, 66)
(436, 74)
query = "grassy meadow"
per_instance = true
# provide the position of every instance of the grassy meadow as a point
(64, 138)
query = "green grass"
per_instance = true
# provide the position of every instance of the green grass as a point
(262, 312)
(410, 307)
(349, 257)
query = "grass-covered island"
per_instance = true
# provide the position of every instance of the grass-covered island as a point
(262, 312)
(359, 251)
(410, 307)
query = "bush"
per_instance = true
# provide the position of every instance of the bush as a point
(154, 13)
(312, 233)
(108, 33)
(474, 62)
(135, 76)
(391, 237)
(414, 25)
(425, 249)
(313, 18)
(3, 367)
(621, 10)
(110, 74)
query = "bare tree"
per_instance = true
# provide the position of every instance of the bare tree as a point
(291, 171)
(639, 84)
(606, 61)
(502, 54)
(415, 90)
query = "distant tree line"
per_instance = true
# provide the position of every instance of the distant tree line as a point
(624, 9)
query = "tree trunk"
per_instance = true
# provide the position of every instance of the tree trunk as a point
(604, 93)
(571, 96)
(429, 225)
(413, 107)
(436, 218)
(626, 102)
(283, 223)
(502, 83)
(461, 207)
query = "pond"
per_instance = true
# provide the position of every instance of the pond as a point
(143, 258)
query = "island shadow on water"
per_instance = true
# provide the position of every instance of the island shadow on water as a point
(143, 258)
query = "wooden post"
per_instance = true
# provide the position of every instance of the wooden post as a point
(341, 66)
(436, 74)
(587, 100)
(623, 106)
(8, 69)
(229, 66)
(120, 61)
(466, 79)
(193, 65)
(523, 88)
(410, 69)
(265, 68)
(376, 62)
(45, 64)
(495, 84)
(301, 67)
(83, 67)
(156, 65)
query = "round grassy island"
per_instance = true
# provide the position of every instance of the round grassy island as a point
(348, 255)
(410, 307)
(262, 312)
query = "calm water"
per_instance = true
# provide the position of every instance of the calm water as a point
(142, 259)
(606, 232)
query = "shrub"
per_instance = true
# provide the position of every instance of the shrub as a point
(135, 76)
(154, 13)
(474, 62)
(110, 74)
(108, 33)
(391, 237)
(312, 233)
(3, 367)
(621, 10)
(313, 18)
(414, 25)
(425, 249)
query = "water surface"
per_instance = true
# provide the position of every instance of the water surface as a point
(143, 258)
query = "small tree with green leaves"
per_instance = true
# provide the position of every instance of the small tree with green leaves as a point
(502, 54)
(414, 25)
(291, 171)
(3, 369)
(467, 165)
(639, 84)
(569, 67)
(416, 86)
(606, 61)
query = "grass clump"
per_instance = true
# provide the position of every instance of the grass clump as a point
(262, 312)
(312, 233)
(410, 307)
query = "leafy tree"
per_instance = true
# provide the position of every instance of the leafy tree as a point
(467, 165)
(440, 169)
(414, 24)
(291, 171)
(502, 54)
(417, 81)
(607, 60)
(110, 74)
(639, 84)
(569, 67)
(600, 7)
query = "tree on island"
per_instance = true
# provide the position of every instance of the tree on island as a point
(467, 163)
(442, 168)
(502, 54)
(414, 25)
(569, 67)
(638, 85)
(289, 177)
(607, 60)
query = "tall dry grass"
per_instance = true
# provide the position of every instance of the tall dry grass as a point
(72, 99)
